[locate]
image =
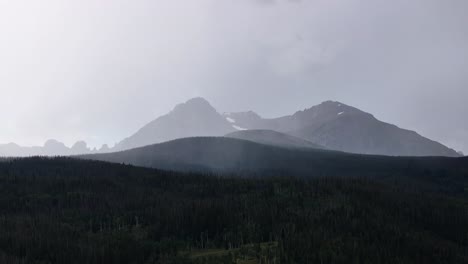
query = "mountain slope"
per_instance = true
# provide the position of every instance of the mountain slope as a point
(367, 135)
(196, 117)
(270, 137)
(341, 127)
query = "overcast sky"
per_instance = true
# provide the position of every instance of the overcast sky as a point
(99, 70)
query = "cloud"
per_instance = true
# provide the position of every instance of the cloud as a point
(269, 2)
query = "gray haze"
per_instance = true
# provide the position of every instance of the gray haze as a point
(99, 70)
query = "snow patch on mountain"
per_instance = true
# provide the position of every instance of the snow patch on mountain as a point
(239, 128)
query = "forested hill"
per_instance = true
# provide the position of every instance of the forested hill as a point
(75, 211)
(229, 155)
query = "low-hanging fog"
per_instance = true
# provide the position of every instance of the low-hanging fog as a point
(99, 70)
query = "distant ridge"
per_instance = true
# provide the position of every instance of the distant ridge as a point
(51, 147)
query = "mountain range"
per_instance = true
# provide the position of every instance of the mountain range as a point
(329, 125)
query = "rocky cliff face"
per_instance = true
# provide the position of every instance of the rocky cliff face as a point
(337, 126)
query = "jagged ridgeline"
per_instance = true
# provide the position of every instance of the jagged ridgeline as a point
(65, 210)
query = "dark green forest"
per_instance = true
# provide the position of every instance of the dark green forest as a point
(62, 210)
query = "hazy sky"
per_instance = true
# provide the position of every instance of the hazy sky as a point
(99, 70)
